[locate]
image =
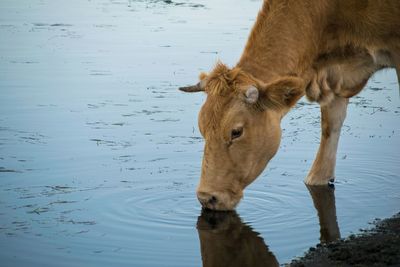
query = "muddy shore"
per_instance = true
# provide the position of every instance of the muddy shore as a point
(379, 246)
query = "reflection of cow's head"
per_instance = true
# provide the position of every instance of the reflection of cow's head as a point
(226, 241)
(240, 122)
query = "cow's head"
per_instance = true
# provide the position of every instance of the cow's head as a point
(240, 122)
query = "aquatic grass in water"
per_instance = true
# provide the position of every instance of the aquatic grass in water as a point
(100, 153)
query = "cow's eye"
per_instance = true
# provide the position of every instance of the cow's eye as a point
(236, 133)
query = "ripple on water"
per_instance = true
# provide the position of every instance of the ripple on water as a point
(164, 208)
(366, 171)
(151, 211)
(273, 207)
(151, 223)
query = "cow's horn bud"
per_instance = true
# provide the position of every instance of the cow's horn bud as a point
(251, 95)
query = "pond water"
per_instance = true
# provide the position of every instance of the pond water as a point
(100, 153)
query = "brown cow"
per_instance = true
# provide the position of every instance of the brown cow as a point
(326, 50)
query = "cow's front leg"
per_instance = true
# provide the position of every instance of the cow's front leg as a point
(332, 117)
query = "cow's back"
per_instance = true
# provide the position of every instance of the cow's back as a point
(374, 22)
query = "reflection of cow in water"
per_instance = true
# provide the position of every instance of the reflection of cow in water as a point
(323, 198)
(326, 50)
(226, 241)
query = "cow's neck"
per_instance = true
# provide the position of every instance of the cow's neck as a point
(283, 40)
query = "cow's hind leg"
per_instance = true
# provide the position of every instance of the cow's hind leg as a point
(332, 117)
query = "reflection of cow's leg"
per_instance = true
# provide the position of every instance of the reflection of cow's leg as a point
(324, 202)
(332, 117)
(396, 59)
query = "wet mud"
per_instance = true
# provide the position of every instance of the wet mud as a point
(379, 246)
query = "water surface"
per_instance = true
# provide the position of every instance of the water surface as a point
(100, 153)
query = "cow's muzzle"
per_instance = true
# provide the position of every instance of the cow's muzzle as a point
(218, 200)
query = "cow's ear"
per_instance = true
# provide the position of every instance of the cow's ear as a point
(284, 92)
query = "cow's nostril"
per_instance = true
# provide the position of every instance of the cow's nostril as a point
(203, 198)
(207, 200)
(213, 200)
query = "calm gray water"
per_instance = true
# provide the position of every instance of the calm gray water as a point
(100, 153)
